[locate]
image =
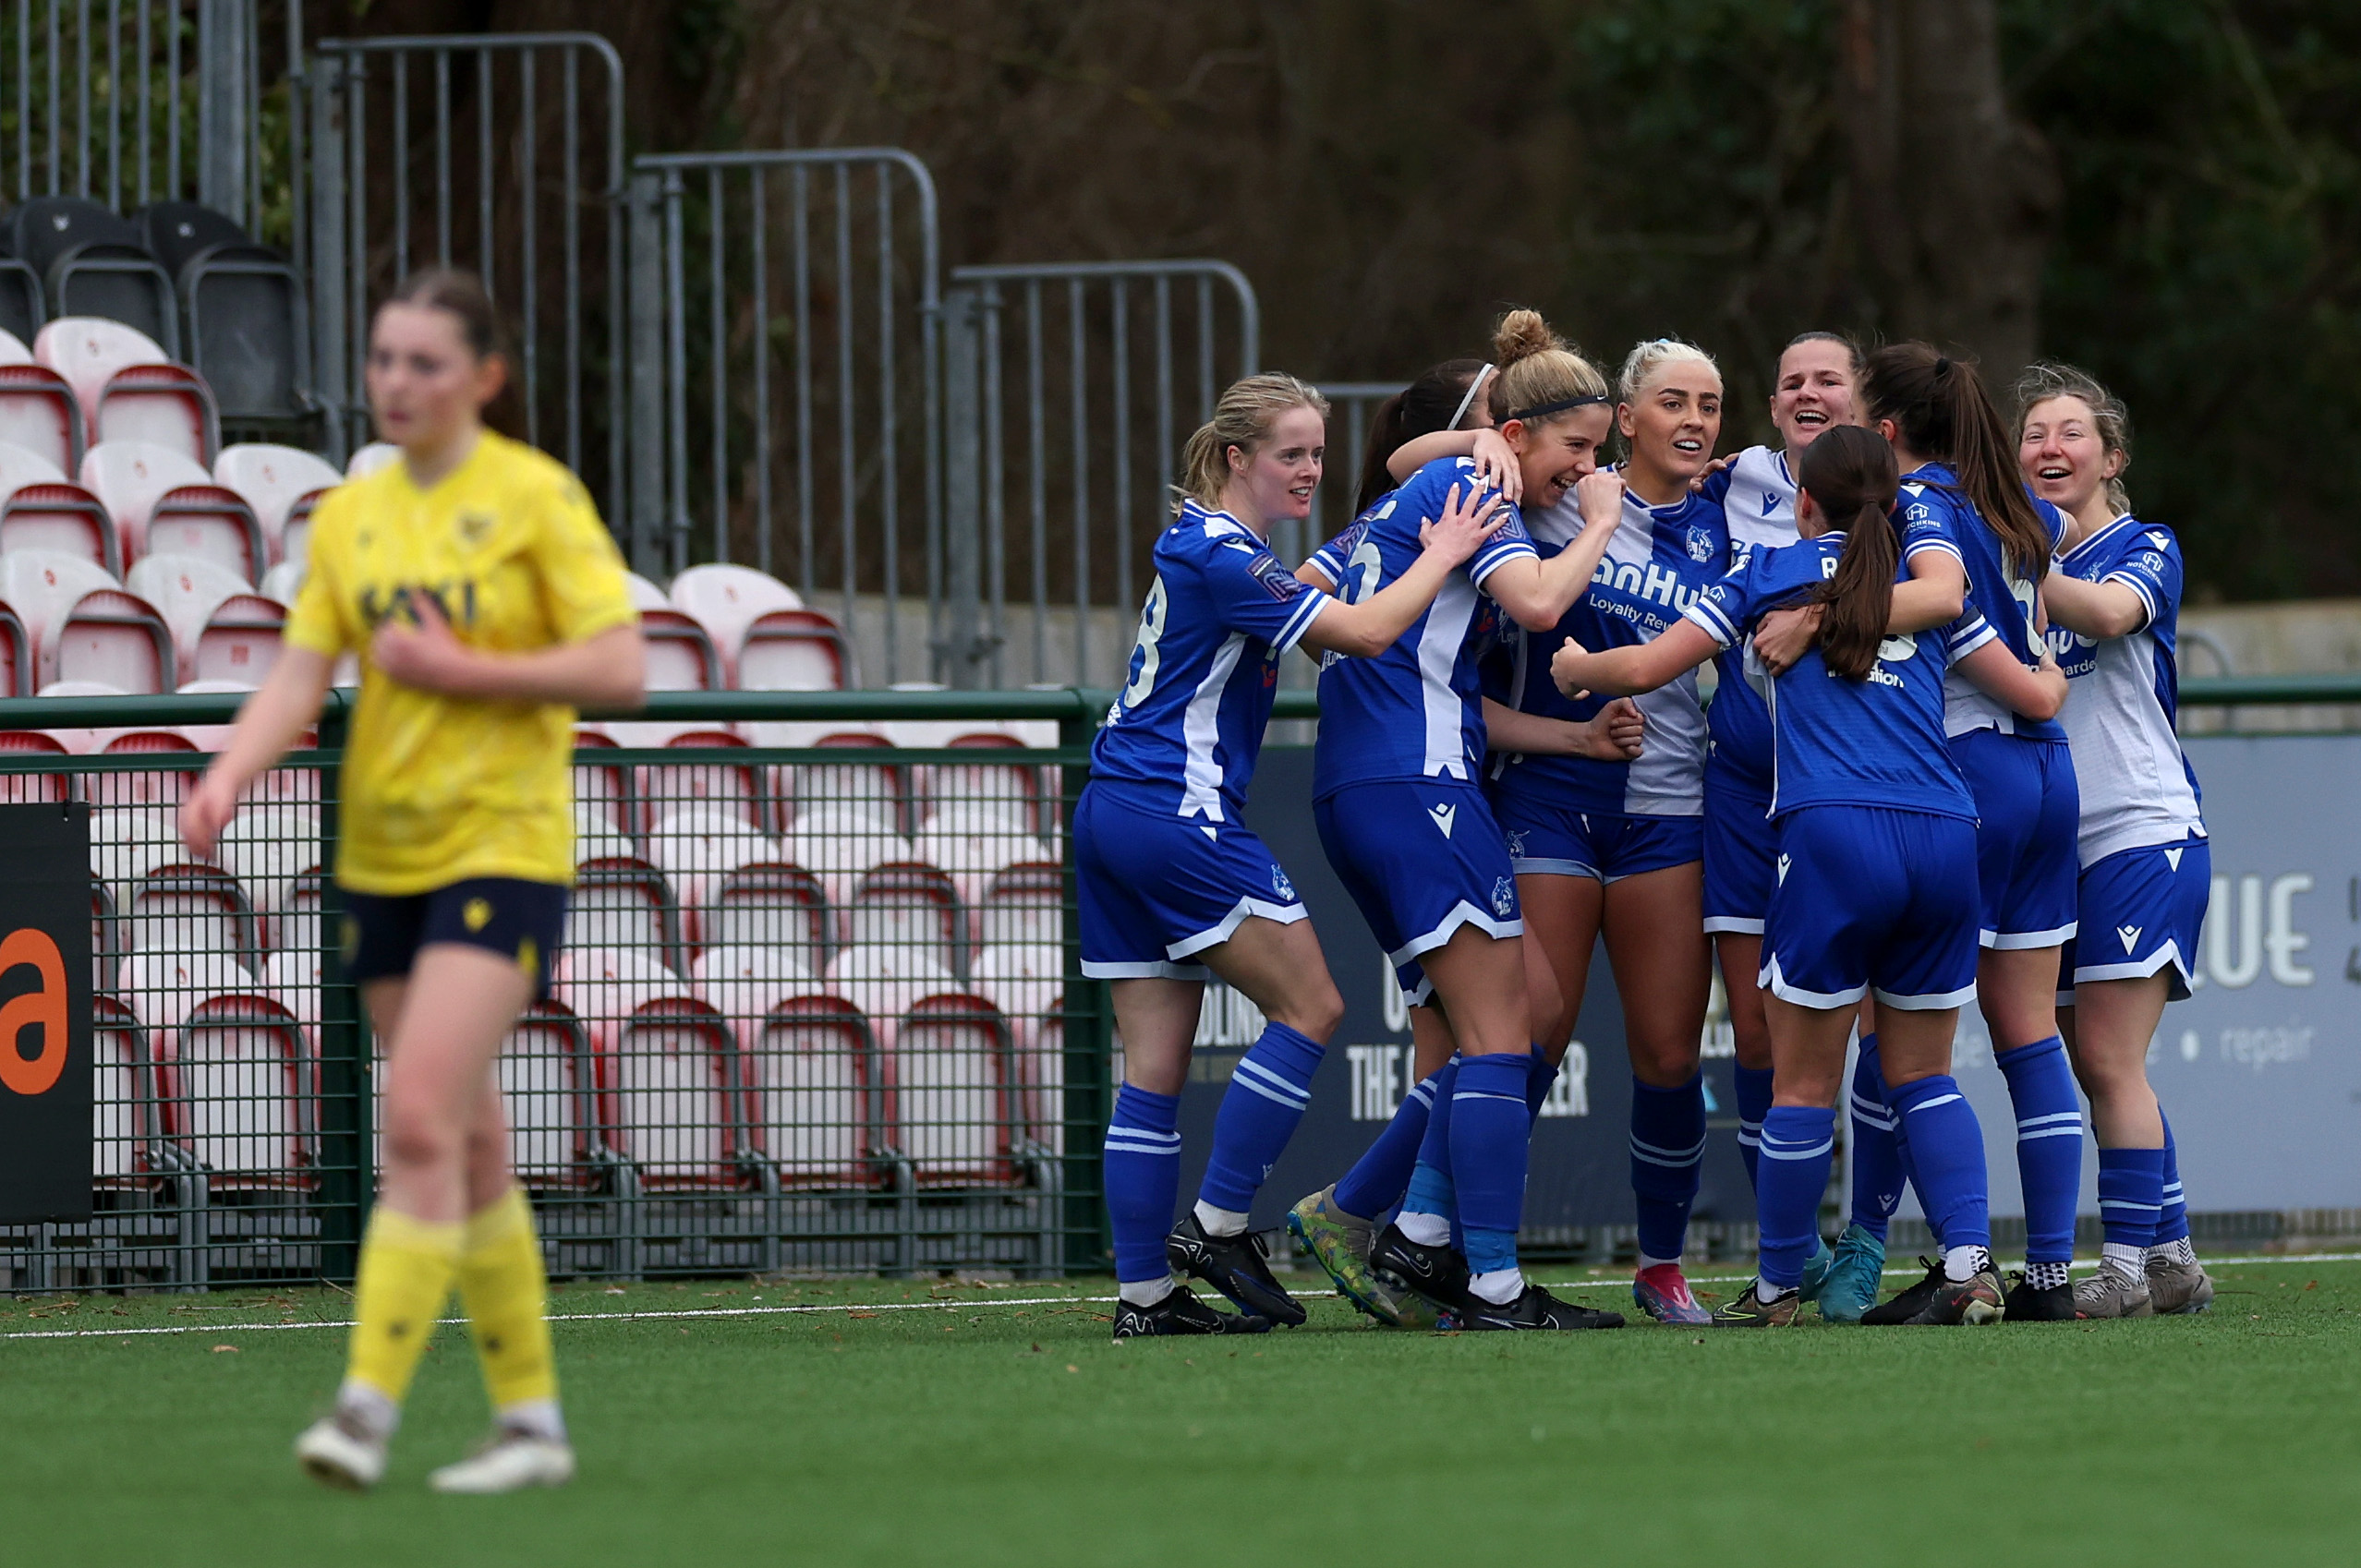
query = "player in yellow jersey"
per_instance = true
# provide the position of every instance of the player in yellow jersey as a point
(485, 600)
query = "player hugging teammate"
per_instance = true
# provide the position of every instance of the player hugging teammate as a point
(1941, 739)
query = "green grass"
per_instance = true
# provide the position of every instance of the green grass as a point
(971, 1432)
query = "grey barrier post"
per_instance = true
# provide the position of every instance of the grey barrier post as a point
(647, 374)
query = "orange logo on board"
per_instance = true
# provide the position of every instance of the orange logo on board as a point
(45, 1007)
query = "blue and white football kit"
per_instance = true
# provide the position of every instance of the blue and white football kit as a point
(1872, 888)
(2147, 870)
(1394, 791)
(2018, 769)
(1757, 493)
(1583, 816)
(1165, 864)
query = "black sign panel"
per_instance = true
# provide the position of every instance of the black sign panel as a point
(1580, 1172)
(45, 1143)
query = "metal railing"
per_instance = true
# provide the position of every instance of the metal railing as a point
(789, 299)
(489, 151)
(820, 1006)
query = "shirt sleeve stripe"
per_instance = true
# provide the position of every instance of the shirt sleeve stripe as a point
(1498, 556)
(1716, 624)
(1965, 639)
(2138, 585)
(1935, 546)
(1308, 611)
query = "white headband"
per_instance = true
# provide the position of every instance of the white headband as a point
(1473, 387)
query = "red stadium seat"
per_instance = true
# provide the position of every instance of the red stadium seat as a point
(886, 983)
(235, 1065)
(747, 981)
(841, 846)
(725, 600)
(33, 787)
(868, 788)
(40, 509)
(15, 654)
(368, 459)
(735, 789)
(40, 414)
(770, 906)
(222, 630)
(129, 1129)
(979, 791)
(949, 1103)
(161, 789)
(273, 849)
(666, 1069)
(548, 1084)
(696, 846)
(82, 627)
(681, 657)
(793, 650)
(1023, 905)
(128, 387)
(192, 909)
(605, 811)
(810, 1065)
(906, 904)
(164, 502)
(281, 483)
(625, 904)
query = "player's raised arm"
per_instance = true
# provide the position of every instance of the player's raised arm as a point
(1469, 517)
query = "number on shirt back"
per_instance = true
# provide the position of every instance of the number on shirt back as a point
(1369, 563)
(2022, 592)
(1151, 632)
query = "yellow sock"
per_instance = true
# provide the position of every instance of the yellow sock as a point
(407, 1267)
(506, 1296)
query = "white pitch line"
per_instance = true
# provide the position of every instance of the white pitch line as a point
(852, 1306)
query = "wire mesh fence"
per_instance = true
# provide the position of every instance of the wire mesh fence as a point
(812, 1013)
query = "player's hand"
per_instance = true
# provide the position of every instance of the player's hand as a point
(1600, 495)
(1716, 466)
(1496, 465)
(1785, 635)
(1615, 734)
(205, 812)
(426, 654)
(1568, 668)
(2052, 680)
(1468, 520)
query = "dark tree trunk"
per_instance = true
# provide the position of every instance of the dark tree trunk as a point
(1954, 199)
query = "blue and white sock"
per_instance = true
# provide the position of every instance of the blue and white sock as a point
(1259, 1112)
(1947, 1164)
(1541, 1076)
(1430, 1208)
(1667, 1157)
(1491, 1132)
(2049, 1146)
(1753, 1103)
(2131, 1204)
(1798, 1141)
(2172, 1223)
(1877, 1165)
(1142, 1166)
(1382, 1175)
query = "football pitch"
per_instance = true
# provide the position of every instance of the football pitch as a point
(973, 1423)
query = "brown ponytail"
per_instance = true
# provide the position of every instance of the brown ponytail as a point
(1420, 408)
(1851, 477)
(1941, 408)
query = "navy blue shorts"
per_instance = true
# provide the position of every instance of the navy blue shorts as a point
(1548, 841)
(2142, 911)
(521, 921)
(1420, 860)
(1741, 844)
(1869, 900)
(1155, 887)
(2028, 813)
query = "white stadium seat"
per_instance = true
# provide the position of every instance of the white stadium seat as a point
(129, 388)
(369, 459)
(275, 480)
(81, 626)
(951, 1112)
(222, 630)
(165, 502)
(840, 845)
(41, 508)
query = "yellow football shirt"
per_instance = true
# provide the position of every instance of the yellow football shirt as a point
(437, 789)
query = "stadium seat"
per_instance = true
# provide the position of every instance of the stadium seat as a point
(626, 905)
(160, 789)
(238, 303)
(548, 1084)
(129, 388)
(40, 414)
(128, 843)
(34, 789)
(236, 1066)
(697, 845)
(840, 845)
(681, 657)
(192, 909)
(666, 790)
(746, 981)
(15, 653)
(1010, 791)
(645, 594)
(221, 629)
(793, 650)
(973, 852)
(81, 626)
(368, 459)
(665, 1067)
(950, 1105)
(23, 305)
(93, 263)
(294, 926)
(12, 348)
(811, 1070)
(272, 848)
(106, 947)
(128, 1127)
(281, 484)
(886, 983)
(165, 503)
(605, 804)
(40, 509)
(1023, 905)
(907, 905)
(866, 789)
(280, 582)
(725, 600)
(772, 906)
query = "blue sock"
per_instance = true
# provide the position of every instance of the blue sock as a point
(1259, 1112)
(1876, 1151)
(1946, 1159)
(1798, 1141)
(2173, 1223)
(1491, 1131)
(1430, 1184)
(1541, 1075)
(1382, 1175)
(2049, 1145)
(1142, 1173)
(2131, 1197)
(1667, 1155)
(1753, 1101)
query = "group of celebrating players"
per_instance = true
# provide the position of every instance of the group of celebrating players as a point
(1939, 764)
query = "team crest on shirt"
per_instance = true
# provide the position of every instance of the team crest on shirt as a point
(1504, 898)
(1281, 884)
(1700, 544)
(1516, 843)
(475, 527)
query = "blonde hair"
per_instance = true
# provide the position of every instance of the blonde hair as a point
(1541, 375)
(1242, 419)
(1641, 366)
(2041, 383)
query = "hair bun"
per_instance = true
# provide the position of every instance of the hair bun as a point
(1521, 335)
(1943, 364)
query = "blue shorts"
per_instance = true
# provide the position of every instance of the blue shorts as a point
(1741, 844)
(1420, 860)
(1865, 899)
(520, 921)
(1548, 841)
(2028, 812)
(1155, 888)
(2141, 912)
